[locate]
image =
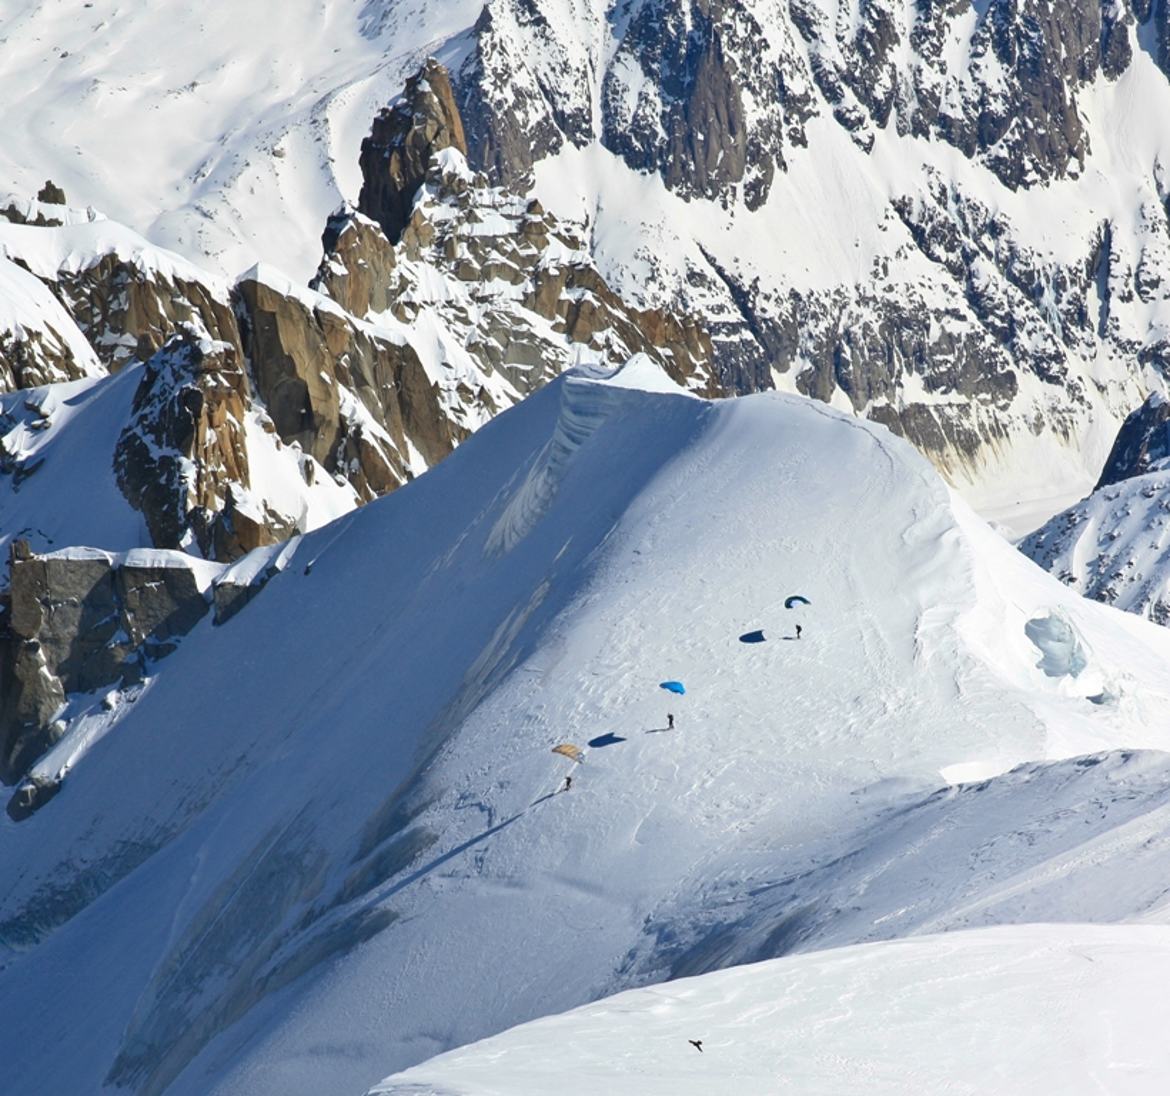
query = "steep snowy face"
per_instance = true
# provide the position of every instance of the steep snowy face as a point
(359, 857)
(264, 409)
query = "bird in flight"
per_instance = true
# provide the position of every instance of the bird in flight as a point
(697, 1044)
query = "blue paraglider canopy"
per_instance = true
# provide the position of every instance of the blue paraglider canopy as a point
(673, 687)
(796, 599)
(752, 637)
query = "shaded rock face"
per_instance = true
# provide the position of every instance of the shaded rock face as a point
(32, 358)
(357, 401)
(128, 312)
(674, 98)
(183, 458)
(520, 292)
(397, 154)
(1142, 445)
(39, 341)
(715, 96)
(512, 114)
(76, 624)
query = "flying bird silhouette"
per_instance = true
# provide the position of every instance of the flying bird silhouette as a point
(697, 1044)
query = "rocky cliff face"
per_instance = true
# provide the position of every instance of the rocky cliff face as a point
(512, 286)
(77, 623)
(1142, 445)
(405, 138)
(182, 460)
(356, 398)
(900, 147)
(1114, 546)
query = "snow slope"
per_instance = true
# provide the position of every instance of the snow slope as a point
(323, 844)
(1015, 1011)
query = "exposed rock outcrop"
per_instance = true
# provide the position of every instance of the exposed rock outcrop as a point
(352, 396)
(1114, 546)
(519, 289)
(183, 458)
(128, 310)
(396, 156)
(1142, 444)
(79, 621)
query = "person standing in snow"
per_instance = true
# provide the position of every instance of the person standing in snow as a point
(670, 721)
(798, 631)
(568, 783)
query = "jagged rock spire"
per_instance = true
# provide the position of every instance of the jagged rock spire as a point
(405, 137)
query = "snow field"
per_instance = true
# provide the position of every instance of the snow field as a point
(362, 863)
(1013, 1011)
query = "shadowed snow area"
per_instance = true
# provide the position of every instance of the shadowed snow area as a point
(1015, 1011)
(323, 845)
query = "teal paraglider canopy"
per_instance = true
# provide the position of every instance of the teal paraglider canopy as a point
(673, 687)
(796, 599)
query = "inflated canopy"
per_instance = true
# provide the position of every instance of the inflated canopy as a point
(567, 749)
(796, 599)
(752, 637)
(673, 687)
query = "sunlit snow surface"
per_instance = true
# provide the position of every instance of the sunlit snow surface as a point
(1074, 1009)
(323, 845)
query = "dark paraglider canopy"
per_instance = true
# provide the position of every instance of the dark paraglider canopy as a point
(752, 637)
(673, 687)
(796, 599)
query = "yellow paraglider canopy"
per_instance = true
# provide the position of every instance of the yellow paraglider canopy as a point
(567, 749)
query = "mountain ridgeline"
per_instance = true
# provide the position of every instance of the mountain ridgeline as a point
(260, 409)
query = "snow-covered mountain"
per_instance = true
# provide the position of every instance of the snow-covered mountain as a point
(1113, 545)
(358, 448)
(360, 857)
(403, 346)
(947, 216)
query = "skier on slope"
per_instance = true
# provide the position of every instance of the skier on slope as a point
(568, 783)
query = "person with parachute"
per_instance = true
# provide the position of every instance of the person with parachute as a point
(792, 602)
(679, 689)
(574, 754)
